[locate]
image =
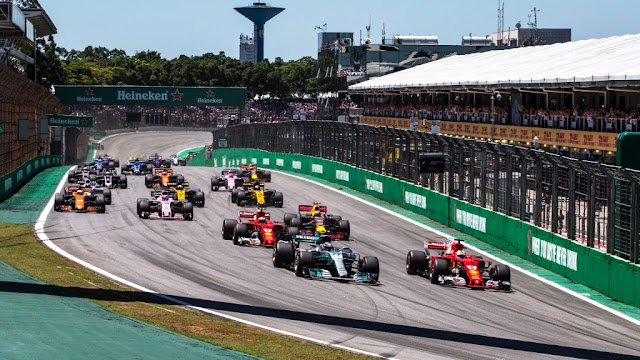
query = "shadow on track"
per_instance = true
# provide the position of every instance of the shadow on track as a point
(436, 334)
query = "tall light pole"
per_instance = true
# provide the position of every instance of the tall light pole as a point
(495, 95)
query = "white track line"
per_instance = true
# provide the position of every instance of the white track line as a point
(40, 233)
(438, 232)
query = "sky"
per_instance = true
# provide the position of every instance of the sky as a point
(195, 27)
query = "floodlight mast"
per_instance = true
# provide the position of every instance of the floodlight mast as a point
(259, 13)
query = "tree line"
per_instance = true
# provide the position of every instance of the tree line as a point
(102, 66)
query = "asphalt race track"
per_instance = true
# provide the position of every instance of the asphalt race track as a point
(406, 317)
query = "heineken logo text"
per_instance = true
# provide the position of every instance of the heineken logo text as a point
(342, 175)
(296, 164)
(415, 200)
(89, 99)
(265, 161)
(470, 220)
(316, 168)
(279, 162)
(151, 96)
(374, 185)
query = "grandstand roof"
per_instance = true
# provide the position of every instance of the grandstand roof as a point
(580, 63)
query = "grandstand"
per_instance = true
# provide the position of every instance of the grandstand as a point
(569, 98)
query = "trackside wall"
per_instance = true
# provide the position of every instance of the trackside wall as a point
(602, 272)
(13, 181)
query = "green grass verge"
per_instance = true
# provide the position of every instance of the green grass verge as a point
(20, 249)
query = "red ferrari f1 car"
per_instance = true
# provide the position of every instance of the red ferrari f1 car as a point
(452, 266)
(254, 228)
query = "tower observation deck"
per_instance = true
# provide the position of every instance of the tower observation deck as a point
(259, 13)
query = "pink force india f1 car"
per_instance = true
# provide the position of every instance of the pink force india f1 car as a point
(164, 207)
(229, 181)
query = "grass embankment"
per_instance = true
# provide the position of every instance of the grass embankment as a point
(20, 249)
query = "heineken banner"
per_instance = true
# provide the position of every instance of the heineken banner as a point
(70, 121)
(151, 95)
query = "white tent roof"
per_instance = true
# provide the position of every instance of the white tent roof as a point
(587, 61)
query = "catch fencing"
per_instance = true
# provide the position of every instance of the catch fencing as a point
(588, 202)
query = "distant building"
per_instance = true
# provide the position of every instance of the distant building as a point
(339, 54)
(247, 49)
(531, 36)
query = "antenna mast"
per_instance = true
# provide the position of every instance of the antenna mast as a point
(383, 34)
(500, 38)
(534, 26)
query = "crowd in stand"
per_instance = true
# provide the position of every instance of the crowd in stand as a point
(108, 117)
(603, 120)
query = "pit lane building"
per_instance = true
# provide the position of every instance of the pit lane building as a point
(598, 74)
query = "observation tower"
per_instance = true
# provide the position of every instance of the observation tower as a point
(259, 13)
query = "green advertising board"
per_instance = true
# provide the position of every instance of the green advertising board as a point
(70, 121)
(151, 95)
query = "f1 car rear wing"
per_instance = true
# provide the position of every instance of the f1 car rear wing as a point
(437, 245)
(305, 238)
(185, 184)
(158, 171)
(308, 208)
(251, 214)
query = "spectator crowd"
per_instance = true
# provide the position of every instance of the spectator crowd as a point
(602, 120)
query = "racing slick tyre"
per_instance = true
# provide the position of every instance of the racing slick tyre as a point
(278, 199)
(228, 225)
(199, 197)
(242, 198)
(345, 228)
(416, 262)
(116, 163)
(292, 232)
(234, 195)
(123, 181)
(58, 202)
(100, 203)
(239, 231)
(187, 211)
(439, 268)
(71, 178)
(214, 183)
(371, 265)
(296, 222)
(143, 207)
(304, 259)
(107, 196)
(267, 176)
(288, 217)
(502, 273)
(148, 180)
(283, 254)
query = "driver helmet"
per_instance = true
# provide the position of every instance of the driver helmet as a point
(320, 222)
(262, 220)
(87, 181)
(179, 187)
(80, 192)
(164, 173)
(460, 254)
(256, 186)
(165, 196)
